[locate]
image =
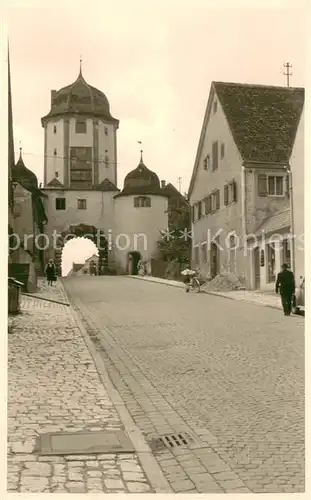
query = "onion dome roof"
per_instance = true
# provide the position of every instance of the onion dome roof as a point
(80, 98)
(23, 175)
(142, 181)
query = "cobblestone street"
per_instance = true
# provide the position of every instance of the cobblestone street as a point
(224, 378)
(54, 386)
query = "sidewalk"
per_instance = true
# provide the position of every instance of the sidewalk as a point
(260, 299)
(54, 386)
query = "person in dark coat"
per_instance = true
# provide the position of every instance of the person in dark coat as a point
(50, 272)
(285, 285)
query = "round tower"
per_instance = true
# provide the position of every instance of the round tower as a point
(80, 166)
(80, 143)
(140, 214)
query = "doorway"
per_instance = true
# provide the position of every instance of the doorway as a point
(214, 260)
(133, 259)
(256, 255)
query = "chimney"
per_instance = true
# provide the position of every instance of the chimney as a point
(163, 184)
(53, 95)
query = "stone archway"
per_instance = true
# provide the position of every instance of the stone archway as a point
(97, 236)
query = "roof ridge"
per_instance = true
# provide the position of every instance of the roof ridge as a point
(262, 85)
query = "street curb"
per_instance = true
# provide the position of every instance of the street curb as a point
(216, 294)
(141, 278)
(149, 464)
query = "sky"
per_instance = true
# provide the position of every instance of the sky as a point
(155, 62)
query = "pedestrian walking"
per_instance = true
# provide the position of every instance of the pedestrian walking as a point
(285, 285)
(50, 272)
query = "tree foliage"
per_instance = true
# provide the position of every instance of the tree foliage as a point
(175, 244)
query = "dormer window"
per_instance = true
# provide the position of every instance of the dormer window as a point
(80, 126)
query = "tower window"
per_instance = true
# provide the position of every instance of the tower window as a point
(215, 107)
(56, 175)
(106, 161)
(81, 204)
(55, 152)
(142, 201)
(60, 203)
(106, 130)
(80, 127)
(54, 129)
(222, 150)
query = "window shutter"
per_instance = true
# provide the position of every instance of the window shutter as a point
(210, 203)
(262, 185)
(234, 192)
(226, 194)
(287, 185)
(215, 155)
(192, 213)
(199, 210)
(217, 200)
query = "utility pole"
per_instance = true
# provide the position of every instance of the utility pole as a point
(286, 72)
(179, 184)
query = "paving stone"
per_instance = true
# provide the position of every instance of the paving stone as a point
(133, 476)
(113, 484)
(74, 476)
(226, 476)
(51, 390)
(180, 486)
(234, 484)
(33, 484)
(94, 473)
(76, 487)
(138, 487)
(37, 469)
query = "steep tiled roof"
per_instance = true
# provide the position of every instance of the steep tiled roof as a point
(171, 191)
(263, 119)
(55, 183)
(107, 185)
(275, 223)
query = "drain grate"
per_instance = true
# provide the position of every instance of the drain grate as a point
(171, 441)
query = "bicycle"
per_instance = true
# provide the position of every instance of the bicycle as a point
(192, 283)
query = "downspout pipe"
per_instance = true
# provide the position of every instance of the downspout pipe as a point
(292, 227)
(243, 211)
(243, 203)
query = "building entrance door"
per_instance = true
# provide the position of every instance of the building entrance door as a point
(214, 262)
(257, 268)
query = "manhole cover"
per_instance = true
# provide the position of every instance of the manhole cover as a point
(171, 441)
(82, 443)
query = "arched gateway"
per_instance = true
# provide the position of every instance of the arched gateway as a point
(80, 183)
(83, 231)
